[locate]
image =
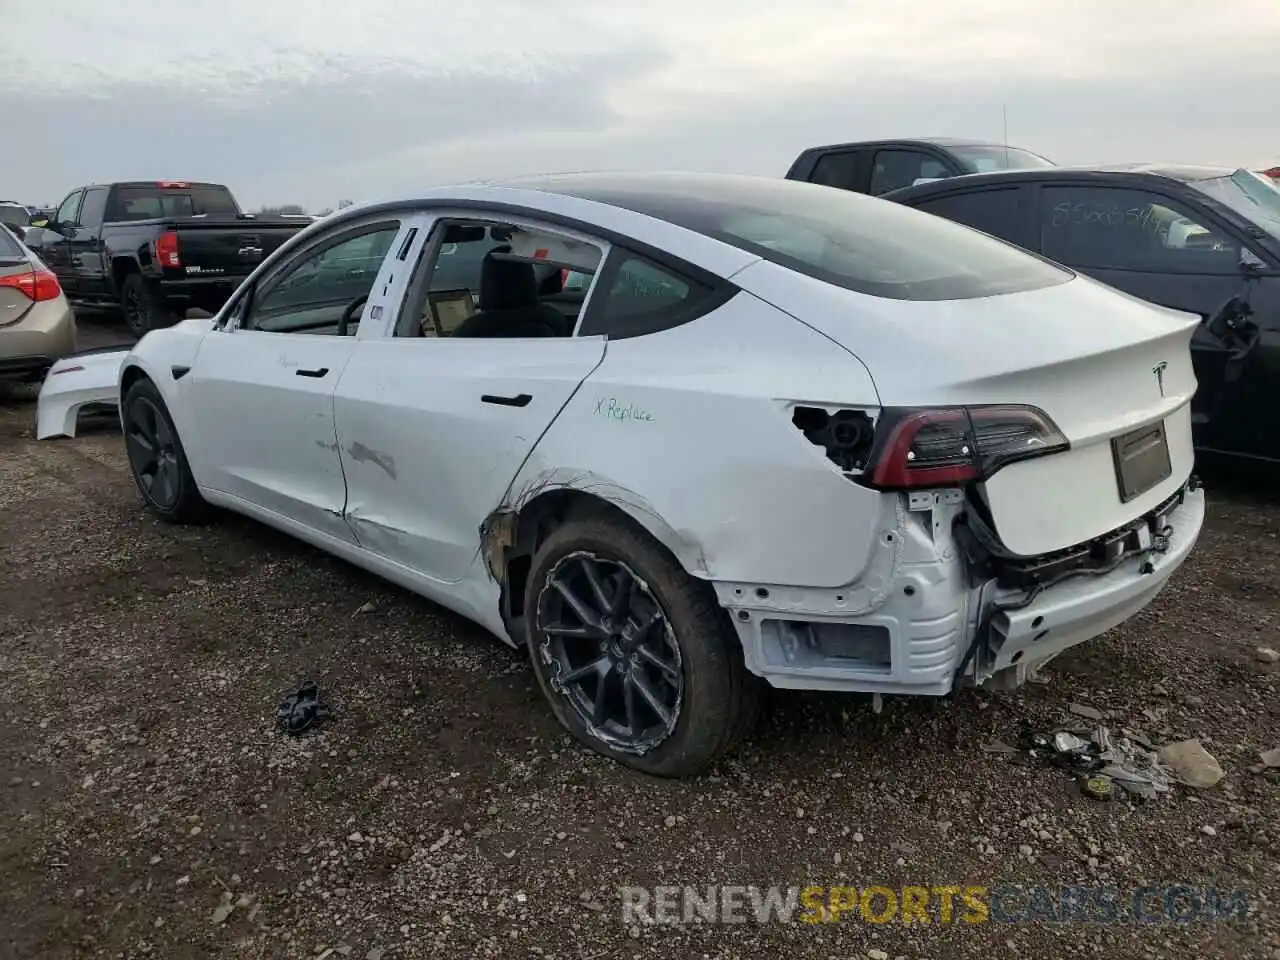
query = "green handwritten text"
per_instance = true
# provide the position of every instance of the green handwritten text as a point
(612, 409)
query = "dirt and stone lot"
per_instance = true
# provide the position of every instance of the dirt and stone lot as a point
(149, 807)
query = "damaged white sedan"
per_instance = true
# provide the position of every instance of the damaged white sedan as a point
(683, 435)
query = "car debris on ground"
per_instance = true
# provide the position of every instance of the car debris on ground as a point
(1103, 762)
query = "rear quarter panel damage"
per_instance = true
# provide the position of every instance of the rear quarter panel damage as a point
(689, 430)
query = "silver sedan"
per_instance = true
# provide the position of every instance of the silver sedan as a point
(37, 326)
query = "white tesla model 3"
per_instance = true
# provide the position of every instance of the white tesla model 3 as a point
(684, 435)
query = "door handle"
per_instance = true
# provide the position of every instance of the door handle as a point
(519, 400)
(317, 373)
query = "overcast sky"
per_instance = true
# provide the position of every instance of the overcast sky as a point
(311, 101)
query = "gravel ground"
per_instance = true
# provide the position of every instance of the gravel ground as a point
(148, 807)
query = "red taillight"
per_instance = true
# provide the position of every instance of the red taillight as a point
(37, 285)
(167, 250)
(952, 446)
(171, 184)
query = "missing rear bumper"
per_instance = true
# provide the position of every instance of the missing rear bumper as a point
(935, 626)
(1080, 608)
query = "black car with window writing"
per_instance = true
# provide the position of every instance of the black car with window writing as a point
(155, 248)
(1191, 238)
(878, 166)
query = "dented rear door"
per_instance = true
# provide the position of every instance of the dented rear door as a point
(433, 430)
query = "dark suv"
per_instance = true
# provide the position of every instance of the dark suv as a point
(878, 166)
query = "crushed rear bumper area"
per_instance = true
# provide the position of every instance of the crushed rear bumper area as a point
(945, 619)
(1090, 602)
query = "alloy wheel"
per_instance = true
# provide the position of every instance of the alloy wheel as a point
(153, 452)
(610, 651)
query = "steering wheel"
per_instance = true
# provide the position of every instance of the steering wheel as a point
(345, 320)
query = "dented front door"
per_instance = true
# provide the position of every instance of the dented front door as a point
(433, 430)
(263, 406)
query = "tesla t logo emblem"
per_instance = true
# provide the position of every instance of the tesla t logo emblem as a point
(1159, 370)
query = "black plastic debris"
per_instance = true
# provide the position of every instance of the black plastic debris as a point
(302, 710)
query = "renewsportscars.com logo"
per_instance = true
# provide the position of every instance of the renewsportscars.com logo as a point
(940, 904)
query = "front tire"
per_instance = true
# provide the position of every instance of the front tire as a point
(637, 659)
(157, 459)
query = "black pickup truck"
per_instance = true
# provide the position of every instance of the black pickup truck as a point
(878, 166)
(155, 249)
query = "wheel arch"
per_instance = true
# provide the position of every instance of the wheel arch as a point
(130, 373)
(511, 534)
(121, 267)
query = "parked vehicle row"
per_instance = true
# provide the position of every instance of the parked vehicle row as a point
(682, 436)
(1199, 239)
(155, 249)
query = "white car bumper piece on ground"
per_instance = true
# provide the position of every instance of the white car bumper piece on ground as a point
(771, 433)
(74, 385)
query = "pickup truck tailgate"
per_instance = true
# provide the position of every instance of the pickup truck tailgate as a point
(228, 249)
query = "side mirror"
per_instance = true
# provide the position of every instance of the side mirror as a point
(1250, 263)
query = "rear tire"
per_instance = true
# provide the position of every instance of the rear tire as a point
(157, 459)
(689, 662)
(143, 310)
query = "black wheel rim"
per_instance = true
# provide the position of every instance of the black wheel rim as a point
(610, 651)
(153, 452)
(134, 316)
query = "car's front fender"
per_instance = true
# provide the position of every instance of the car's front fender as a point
(165, 356)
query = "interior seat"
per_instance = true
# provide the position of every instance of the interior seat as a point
(509, 304)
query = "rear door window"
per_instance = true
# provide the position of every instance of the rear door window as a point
(837, 169)
(95, 204)
(1120, 228)
(893, 169)
(991, 211)
(490, 278)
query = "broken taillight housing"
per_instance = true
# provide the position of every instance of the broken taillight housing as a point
(952, 446)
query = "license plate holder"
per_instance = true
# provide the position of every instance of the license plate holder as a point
(1142, 460)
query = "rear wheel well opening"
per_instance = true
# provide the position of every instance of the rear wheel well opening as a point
(121, 267)
(514, 539)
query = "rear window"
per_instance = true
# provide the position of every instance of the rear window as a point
(144, 202)
(854, 241)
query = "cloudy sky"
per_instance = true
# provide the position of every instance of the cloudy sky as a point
(309, 102)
